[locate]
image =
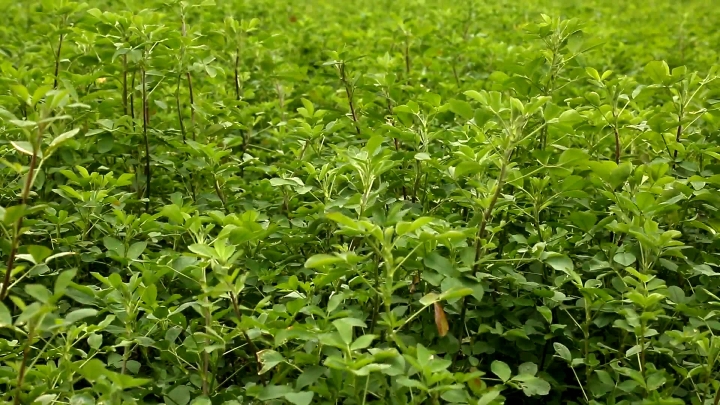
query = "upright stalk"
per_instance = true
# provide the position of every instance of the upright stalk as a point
(132, 100)
(678, 134)
(617, 145)
(395, 140)
(206, 357)
(192, 105)
(57, 57)
(483, 226)
(350, 93)
(4, 290)
(138, 189)
(23, 364)
(408, 64)
(237, 73)
(124, 85)
(190, 85)
(488, 212)
(221, 195)
(251, 345)
(146, 119)
(616, 132)
(179, 110)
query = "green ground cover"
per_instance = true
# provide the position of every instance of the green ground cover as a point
(359, 202)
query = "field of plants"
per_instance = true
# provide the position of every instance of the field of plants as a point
(359, 202)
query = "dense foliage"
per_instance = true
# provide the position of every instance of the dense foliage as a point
(362, 202)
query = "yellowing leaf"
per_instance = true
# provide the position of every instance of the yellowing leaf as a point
(440, 320)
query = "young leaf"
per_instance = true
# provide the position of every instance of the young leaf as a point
(300, 398)
(562, 351)
(5, 316)
(501, 369)
(321, 260)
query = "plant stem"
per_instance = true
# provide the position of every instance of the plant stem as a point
(23, 364)
(221, 195)
(146, 119)
(586, 335)
(407, 58)
(192, 105)
(132, 100)
(395, 140)
(349, 92)
(57, 61)
(179, 110)
(4, 290)
(481, 231)
(237, 74)
(236, 309)
(617, 145)
(491, 206)
(376, 303)
(208, 324)
(190, 85)
(678, 135)
(124, 84)
(642, 348)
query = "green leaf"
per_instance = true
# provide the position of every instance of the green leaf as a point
(39, 253)
(39, 292)
(528, 369)
(624, 259)
(403, 228)
(477, 96)
(93, 369)
(342, 219)
(583, 220)
(455, 293)
(180, 395)
(79, 314)
(532, 385)
(561, 263)
(173, 213)
(60, 139)
(13, 214)
(23, 147)
(501, 369)
(488, 397)
(136, 249)
(203, 250)
(441, 264)
(300, 398)
(658, 71)
(274, 392)
(5, 316)
(309, 376)
(21, 92)
(573, 157)
(462, 108)
(546, 313)
(620, 174)
(429, 299)
(562, 351)
(149, 295)
(345, 328)
(362, 342)
(95, 341)
(63, 280)
(114, 246)
(374, 143)
(321, 260)
(269, 359)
